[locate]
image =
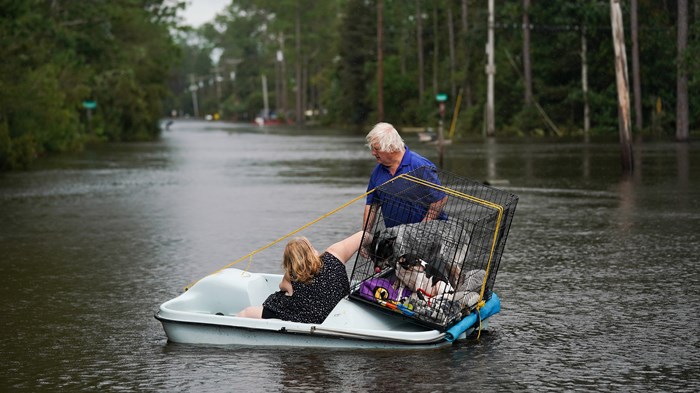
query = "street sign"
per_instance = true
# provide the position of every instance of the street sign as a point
(89, 104)
(441, 97)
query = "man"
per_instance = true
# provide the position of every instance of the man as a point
(402, 202)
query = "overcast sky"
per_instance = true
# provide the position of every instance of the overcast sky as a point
(199, 12)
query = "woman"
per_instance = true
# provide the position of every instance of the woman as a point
(312, 284)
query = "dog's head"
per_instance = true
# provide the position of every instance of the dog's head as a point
(381, 251)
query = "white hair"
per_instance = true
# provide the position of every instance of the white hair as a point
(386, 136)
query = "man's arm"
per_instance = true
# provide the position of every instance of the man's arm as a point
(435, 209)
(368, 217)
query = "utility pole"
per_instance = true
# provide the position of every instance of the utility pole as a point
(231, 64)
(682, 117)
(283, 76)
(490, 72)
(436, 50)
(218, 79)
(380, 64)
(527, 69)
(193, 89)
(266, 111)
(299, 108)
(421, 66)
(278, 80)
(584, 87)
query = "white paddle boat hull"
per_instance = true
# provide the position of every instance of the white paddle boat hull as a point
(205, 314)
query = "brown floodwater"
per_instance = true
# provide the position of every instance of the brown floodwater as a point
(599, 282)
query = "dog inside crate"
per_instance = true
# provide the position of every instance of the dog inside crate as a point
(422, 270)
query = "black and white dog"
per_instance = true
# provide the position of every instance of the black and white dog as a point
(423, 254)
(418, 275)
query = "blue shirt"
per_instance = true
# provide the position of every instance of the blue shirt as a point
(404, 201)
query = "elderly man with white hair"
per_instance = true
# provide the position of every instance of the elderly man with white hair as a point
(393, 159)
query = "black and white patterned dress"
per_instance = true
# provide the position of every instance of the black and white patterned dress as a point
(313, 302)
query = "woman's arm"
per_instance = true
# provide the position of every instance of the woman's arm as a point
(345, 248)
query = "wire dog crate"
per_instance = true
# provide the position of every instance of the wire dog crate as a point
(432, 246)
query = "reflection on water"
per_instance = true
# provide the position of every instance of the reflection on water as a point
(599, 281)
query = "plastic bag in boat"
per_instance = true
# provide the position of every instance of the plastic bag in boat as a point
(382, 289)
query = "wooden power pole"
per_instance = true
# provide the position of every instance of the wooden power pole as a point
(490, 72)
(527, 69)
(419, 37)
(299, 104)
(380, 64)
(584, 86)
(682, 116)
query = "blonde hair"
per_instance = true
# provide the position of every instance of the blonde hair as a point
(386, 136)
(300, 261)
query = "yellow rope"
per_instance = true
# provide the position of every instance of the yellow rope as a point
(250, 262)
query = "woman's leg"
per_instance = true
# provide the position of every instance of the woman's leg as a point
(251, 312)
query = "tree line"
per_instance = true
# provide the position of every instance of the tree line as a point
(76, 72)
(73, 72)
(353, 62)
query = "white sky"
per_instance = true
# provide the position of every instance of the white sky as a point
(199, 12)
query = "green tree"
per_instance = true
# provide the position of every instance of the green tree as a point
(58, 54)
(355, 68)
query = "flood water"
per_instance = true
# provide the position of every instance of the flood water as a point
(599, 282)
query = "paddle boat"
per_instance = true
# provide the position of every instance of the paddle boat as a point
(206, 314)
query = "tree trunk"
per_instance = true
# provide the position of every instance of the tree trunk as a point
(310, 100)
(436, 50)
(278, 86)
(380, 65)
(304, 86)
(421, 65)
(584, 87)
(682, 116)
(283, 72)
(299, 108)
(465, 39)
(266, 104)
(490, 72)
(193, 89)
(527, 69)
(636, 84)
(622, 86)
(451, 35)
